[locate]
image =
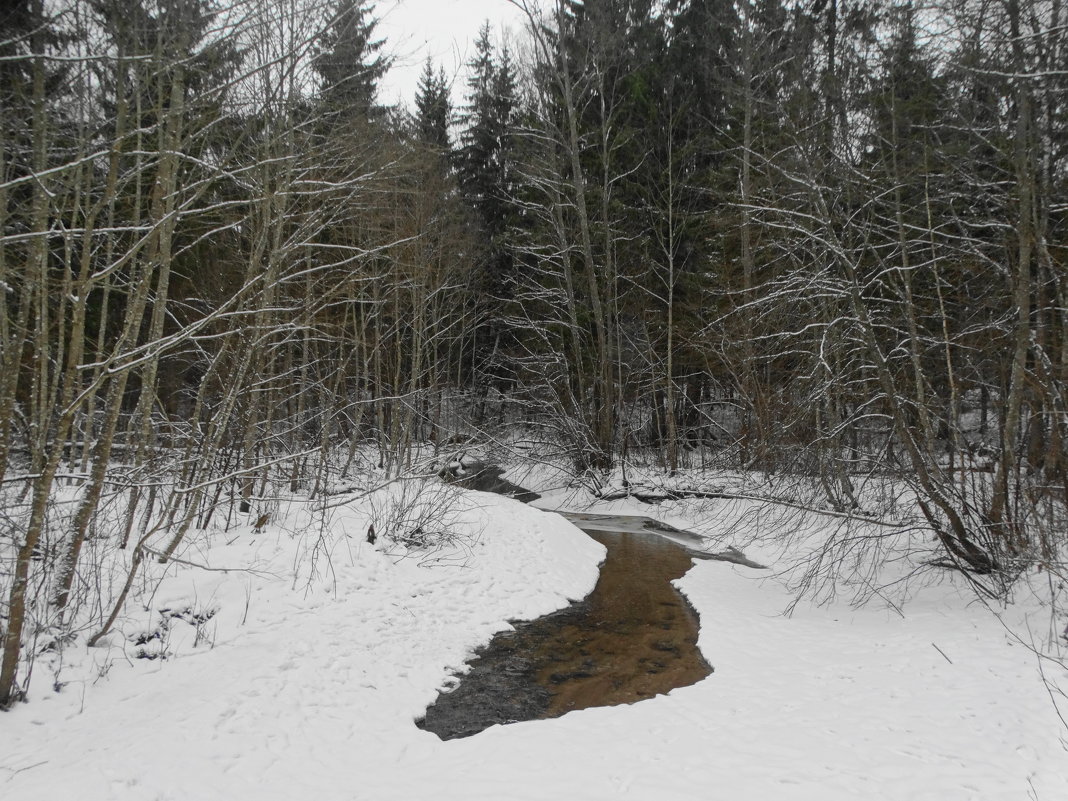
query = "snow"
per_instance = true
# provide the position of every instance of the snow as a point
(307, 676)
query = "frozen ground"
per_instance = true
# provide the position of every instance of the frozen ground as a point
(306, 679)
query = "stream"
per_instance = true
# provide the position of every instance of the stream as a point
(633, 637)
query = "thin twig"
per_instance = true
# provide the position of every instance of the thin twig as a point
(943, 653)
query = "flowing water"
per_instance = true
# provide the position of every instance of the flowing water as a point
(633, 637)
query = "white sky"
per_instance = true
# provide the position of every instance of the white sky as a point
(444, 29)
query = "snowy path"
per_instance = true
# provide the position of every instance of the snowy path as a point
(314, 696)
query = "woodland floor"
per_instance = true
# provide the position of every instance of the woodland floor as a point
(302, 676)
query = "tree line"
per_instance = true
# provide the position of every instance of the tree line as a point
(822, 239)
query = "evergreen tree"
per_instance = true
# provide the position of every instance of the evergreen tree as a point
(433, 107)
(20, 22)
(26, 30)
(484, 159)
(477, 145)
(701, 63)
(503, 122)
(349, 61)
(485, 170)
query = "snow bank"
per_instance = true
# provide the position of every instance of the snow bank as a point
(311, 692)
(270, 690)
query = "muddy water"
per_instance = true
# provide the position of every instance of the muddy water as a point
(633, 637)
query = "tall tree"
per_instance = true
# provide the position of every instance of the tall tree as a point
(433, 107)
(485, 161)
(349, 61)
(486, 118)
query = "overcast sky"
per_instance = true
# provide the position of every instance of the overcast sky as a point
(444, 29)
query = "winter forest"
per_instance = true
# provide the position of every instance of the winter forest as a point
(810, 253)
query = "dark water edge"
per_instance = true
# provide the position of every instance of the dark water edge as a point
(633, 637)
(487, 478)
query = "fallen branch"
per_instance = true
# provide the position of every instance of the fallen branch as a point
(199, 566)
(732, 555)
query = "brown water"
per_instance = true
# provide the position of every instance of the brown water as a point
(632, 638)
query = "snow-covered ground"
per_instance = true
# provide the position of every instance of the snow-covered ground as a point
(301, 678)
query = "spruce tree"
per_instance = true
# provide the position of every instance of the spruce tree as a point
(485, 169)
(484, 159)
(433, 107)
(475, 155)
(349, 61)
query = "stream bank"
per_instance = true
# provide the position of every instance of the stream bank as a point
(633, 637)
